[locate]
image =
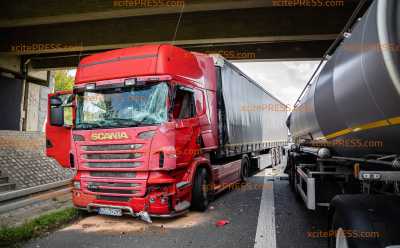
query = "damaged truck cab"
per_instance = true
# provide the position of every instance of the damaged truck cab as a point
(144, 134)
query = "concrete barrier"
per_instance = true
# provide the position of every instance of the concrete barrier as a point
(23, 160)
(24, 192)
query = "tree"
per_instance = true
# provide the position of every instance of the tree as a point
(63, 81)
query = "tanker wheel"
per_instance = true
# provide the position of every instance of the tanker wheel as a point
(200, 193)
(293, 183)
(274, 158)
(245, 169)
(339, 240)
(278, 151)
(291, 172)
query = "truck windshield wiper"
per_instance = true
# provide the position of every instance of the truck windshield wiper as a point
(110, 123)
(117, 122)
(87, 125)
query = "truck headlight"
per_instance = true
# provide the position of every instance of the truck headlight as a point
(146, 135)
(77, 185)
(77, 137)
(91, 86)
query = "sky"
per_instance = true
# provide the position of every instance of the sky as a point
(283, 79)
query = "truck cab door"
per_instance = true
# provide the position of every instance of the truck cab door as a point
(59, 125)
(187, 125)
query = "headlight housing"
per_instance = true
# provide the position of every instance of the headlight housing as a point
(77, 137)
(146, 135)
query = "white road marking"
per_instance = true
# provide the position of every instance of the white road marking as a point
(266, 235)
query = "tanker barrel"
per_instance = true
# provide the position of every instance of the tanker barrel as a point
(352, 101)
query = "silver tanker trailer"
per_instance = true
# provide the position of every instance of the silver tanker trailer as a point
(346, 130)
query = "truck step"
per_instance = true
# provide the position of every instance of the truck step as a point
(3, 179)
(7, 187)
(308, 165)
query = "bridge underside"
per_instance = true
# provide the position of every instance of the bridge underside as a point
(58, 33)
(38, 36)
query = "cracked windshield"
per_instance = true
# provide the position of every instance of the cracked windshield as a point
(122, 107)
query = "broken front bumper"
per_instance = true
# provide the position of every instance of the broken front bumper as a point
(140, 207)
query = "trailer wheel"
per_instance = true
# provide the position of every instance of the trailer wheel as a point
(245, 169)
(273, 157)
(279, 152)
(200, 194)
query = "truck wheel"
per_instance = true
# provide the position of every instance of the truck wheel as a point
(292, 177)
(200, 194)
(244, 169)
(292, 172)
(339, 240)
(278, 151)
(273, 157)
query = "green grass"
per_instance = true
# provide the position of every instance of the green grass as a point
(68, 116)
(11, 236)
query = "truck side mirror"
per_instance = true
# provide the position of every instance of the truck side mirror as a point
(57, 116)
(56, 111)
(55, 101)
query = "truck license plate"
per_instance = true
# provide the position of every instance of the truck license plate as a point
(110, 211)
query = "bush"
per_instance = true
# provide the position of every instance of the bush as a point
(11, 236)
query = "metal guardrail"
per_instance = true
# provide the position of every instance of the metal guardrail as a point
(10, 206)
(37, 189)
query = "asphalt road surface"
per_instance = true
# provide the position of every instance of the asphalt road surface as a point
(291, 224)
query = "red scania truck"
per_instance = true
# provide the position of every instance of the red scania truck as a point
(157, 129)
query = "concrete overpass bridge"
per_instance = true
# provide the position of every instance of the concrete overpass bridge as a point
(56, 33)
(37, 36)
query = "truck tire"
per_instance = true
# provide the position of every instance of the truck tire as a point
(273, 157)
(292, 172)
(279, 152)
(200, 193)
(354, 217)
(291, 160)
(245, 169)
(339, 240)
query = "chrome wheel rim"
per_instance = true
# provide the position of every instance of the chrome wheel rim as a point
(341, 240)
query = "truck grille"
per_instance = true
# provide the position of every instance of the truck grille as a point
(113, 198)
(109, 188)
(117, 156)
(112, 155)
(112, 147)
(113, 164)
(112, 174)
(113, 191)
(112, 184)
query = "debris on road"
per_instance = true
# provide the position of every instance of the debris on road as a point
(145, 217)
(221, 223)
